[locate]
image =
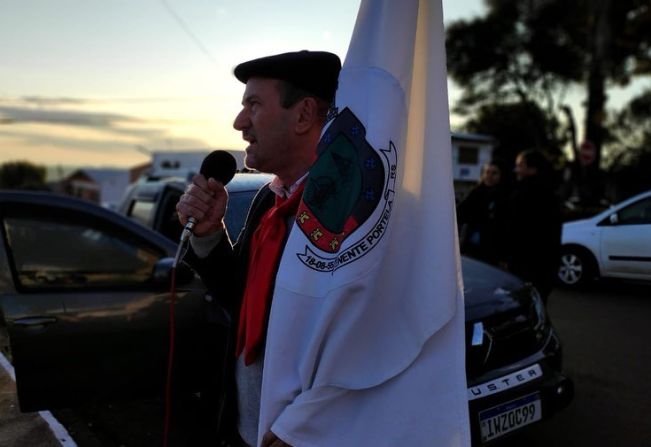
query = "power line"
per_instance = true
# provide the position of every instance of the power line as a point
(188, 31)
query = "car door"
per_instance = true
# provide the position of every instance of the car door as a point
(626, 241)
(87, 311)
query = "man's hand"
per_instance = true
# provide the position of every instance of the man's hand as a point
(271, 440)
(206, 201)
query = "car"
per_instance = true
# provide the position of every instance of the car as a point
(615, 243)
(513, 354)
(84, 299)
(153, 202)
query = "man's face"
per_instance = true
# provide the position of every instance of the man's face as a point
(491, 175)
(522, 170)
(265, 125)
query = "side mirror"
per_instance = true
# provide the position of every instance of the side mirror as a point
(614, 219)
(162, 273)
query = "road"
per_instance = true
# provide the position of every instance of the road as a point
(604, 331)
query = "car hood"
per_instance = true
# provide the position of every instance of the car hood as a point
(578, 224)
(489, 290)
(581, 222)
(505, 319)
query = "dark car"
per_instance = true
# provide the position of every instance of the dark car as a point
(83, 295)
(513, 354)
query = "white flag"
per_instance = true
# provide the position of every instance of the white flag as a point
(365, 344)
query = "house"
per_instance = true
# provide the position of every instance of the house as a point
(105, 186)
(469, 153)
(184, 163)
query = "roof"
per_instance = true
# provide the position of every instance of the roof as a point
(476, 137)
(184, 163)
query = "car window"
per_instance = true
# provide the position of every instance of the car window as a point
(238, 206)
(49, 252)
(142, 211)
(636, 214)
(158, 211)
(169, 224)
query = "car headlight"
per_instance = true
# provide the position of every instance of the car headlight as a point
(538, 310)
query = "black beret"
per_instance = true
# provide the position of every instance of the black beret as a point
(313, 71)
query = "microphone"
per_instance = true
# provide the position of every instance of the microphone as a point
(221, 166)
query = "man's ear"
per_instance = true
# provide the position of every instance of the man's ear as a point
(307, 115)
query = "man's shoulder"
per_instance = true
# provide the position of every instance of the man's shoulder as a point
(262, 201)
(264, 198)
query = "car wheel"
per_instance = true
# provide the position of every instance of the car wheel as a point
(576, 267)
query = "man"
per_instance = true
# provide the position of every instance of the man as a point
(284, 109)
(480, 214)
(533, 236)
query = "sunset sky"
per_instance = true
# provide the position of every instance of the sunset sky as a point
(100, 83)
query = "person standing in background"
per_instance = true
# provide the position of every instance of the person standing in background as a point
(480, 215)
(533, 223)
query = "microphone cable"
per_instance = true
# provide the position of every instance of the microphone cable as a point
(221, 166)
(170, 360)
(180, 252)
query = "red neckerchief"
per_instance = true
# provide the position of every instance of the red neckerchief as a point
(264, 256)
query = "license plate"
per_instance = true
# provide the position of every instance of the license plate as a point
(505, 418)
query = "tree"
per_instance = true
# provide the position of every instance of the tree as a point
(629, 147)
(617, 37)
(517, 53)
(22, 175)
(534, 129)
(533, 51)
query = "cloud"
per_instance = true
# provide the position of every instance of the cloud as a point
(145, 136)
(76, 150)
(65, 101)
(67, 117)
(74, 143)
(115, 123)
(50, 101)
(77, 129)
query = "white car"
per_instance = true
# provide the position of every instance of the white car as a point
(615, 244)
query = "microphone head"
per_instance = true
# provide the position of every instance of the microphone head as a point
(220, 165)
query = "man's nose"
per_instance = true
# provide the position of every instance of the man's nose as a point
(241, 120)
